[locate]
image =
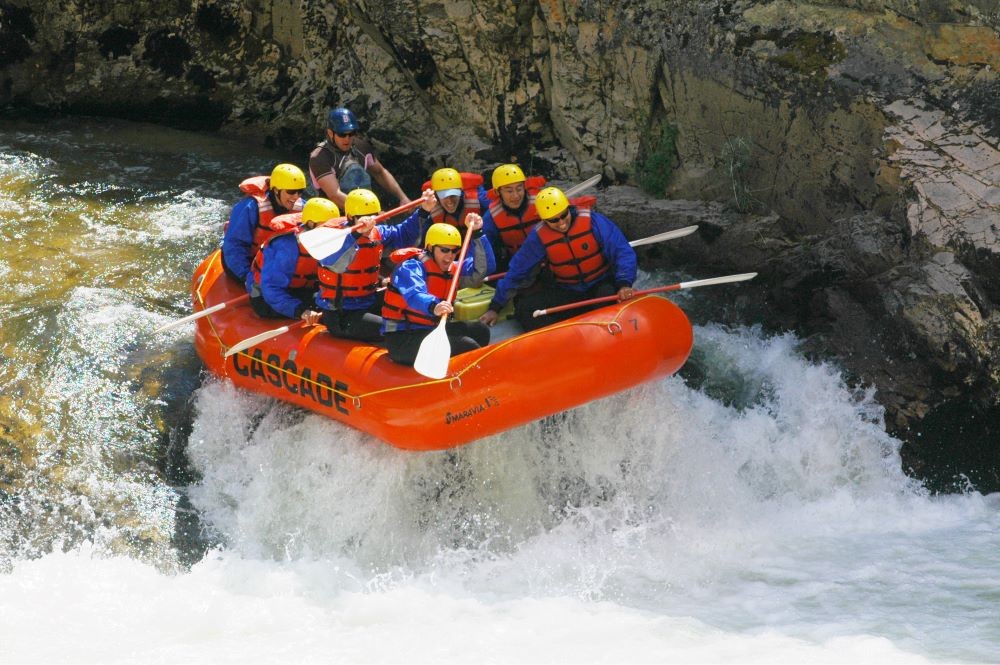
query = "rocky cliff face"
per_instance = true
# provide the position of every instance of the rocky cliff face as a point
(846, 150)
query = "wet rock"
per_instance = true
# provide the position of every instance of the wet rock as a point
(117, 42)
(17, 30)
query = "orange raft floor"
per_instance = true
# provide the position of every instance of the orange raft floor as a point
(489, 390)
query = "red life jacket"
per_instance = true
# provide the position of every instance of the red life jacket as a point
(281, 224)
(306, 267)
(514, 229)
(361, 277)
(532, 185)
(574, 257)
(438, 214)
(438, 284)
(257, 187)
(470, 191)
(401, 255)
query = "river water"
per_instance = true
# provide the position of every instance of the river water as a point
(751, 509)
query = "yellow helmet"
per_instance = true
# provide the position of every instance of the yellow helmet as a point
(443, 234)
(288, 176)
(319, 210)
(507, 174)
(446, 182)
(550, 203)
(361, 202)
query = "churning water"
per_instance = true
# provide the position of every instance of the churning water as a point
(150, 514)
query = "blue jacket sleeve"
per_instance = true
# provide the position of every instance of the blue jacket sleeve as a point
(519, 272)
(614, 246)
(410, 279)
(280, 257)
(405, 234)
(483, 194)
(238, 239)
(490, 228)
(423, 222)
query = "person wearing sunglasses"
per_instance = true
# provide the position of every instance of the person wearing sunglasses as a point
(249, 223)
(344, 162)
(586, 254)
(416, 298)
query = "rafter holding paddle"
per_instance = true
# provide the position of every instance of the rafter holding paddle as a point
(325, 240)
(659, 289)
(435, 350)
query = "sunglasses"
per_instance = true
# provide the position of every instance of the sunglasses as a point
(448, 250)
(557, 220)
(347, 135)
(294, 192)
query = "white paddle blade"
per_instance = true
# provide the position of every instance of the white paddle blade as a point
(586, 184)
(718, 280)
(669, 235)
(434, 353)
(323, 241)
(256, 339)
(191, 317)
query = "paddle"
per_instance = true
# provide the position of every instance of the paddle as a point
(586, 184)
(323, 241)
(205, 312)
(659, 289)
(668, 235)
(435, 350)
(256, 339)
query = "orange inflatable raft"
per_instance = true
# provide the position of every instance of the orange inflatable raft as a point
(489, 390)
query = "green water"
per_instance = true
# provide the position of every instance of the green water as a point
(102, 223)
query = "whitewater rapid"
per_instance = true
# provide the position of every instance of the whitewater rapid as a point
(769, 522)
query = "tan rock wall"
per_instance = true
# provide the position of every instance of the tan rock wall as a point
(580, 84)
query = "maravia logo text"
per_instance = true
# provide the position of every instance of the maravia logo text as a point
(304, 382)
(487, 403)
